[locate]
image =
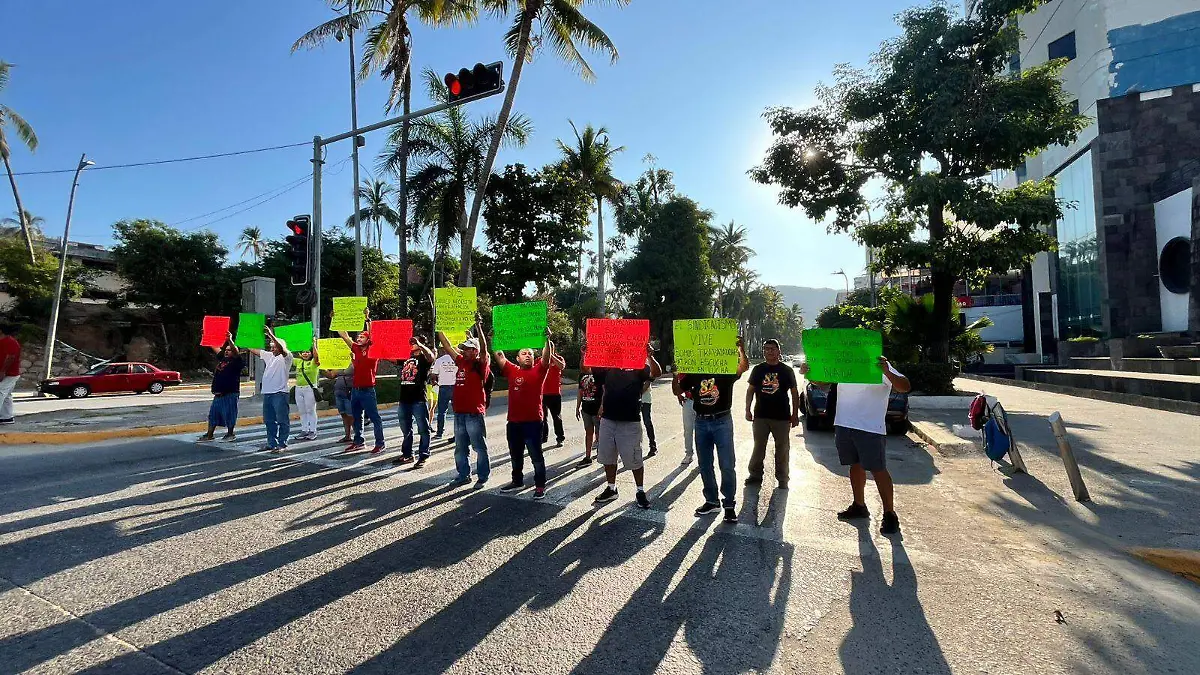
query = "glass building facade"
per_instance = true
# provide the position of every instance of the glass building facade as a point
(1080, 287)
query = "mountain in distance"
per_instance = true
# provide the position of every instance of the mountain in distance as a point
(811, 300)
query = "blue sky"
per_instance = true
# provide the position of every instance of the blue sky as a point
(130, 81)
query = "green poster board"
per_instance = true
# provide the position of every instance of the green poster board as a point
(706, 346)
(251, 331)
(297, 336)
(348, 314)
(455, 309)
(335, 353)
(848, 355)
(519, 326)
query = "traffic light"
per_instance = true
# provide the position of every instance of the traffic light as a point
(477, 82)
(298, 249)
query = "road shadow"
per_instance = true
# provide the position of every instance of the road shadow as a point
(909, 463)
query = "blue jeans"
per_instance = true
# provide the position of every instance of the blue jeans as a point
(277, 418)
(719, 433)
(522, 435)
(469, 431)
(420, 411)
(445, 398)
(363, 402)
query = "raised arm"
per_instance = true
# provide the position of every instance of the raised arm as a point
(655, 369)
(426, 352)
(743, 362)
(483, 345)
(899, 382)
(341, 333)
(275, 341)
(316, 356)
(228, 341)
(501, 360)
(450, 349)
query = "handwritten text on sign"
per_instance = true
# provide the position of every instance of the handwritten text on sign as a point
(455, 308)
(335, 353)
(706, 346)
(519, 326)
(215, 331)
(617, 343)
(348, 313)
(389, 339)
(848, 355)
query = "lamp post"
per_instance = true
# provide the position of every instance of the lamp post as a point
(846, 278)
(358, 274)
(52, 332)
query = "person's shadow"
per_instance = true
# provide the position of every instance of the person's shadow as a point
(889, 622)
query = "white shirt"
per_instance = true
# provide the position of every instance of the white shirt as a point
(447, 370)
(864, 406)
(275, 372)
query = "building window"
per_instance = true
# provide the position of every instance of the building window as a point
(1080, 286)
(1075, 107)
(1022, 172)
(1014, 64)
(1063, 47)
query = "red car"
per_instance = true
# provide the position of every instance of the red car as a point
(108, 378)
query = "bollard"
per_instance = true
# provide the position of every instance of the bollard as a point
(1068, 457)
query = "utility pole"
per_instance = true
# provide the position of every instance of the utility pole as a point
(358, 271)
(52, 333)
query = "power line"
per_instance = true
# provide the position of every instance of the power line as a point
(166, 161)
(244, 201)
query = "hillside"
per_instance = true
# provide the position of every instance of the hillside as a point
(811, 300)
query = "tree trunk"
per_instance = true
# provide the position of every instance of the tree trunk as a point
(12, 180)
(532, 8)
(943, 289)
(600, 256)
(402, 198)
(580, 270)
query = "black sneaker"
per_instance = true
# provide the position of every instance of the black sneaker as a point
(420, 463)
(9, 420)
(855, 512)
(708, 509)
(584, 463)
(513, 487)
(559, 444)
(653, 452)
(402, 460)
(609, 494)
(730, 515)
(753, 480)
(642, 500)
(891, 523)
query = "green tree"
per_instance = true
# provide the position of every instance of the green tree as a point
(10, 118)
(590, 158)
(179, 273)
(563, 27)
(381, 278)
(252, 243)
(35, 224)
(534, 221)
(31, 284)
(728, 256)
(935, 115)
(376, 198)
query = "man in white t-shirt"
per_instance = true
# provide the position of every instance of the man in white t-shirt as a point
(860, 434)
(277, 365)
(446, 370)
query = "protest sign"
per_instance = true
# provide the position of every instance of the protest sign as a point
(250, 331)
(519, 326)
(847, 355)
(297, 336)
(334, 352)
(348, 313)
(389, 339)
(617, 343)
(455, 309)
(706, 346)
(215, 331)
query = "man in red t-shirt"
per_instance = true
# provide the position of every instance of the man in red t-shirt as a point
(552, 398)
(363, 400)
(526, 379)
(10, 371)
(470, 405)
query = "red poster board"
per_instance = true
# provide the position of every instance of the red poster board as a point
(617, 343)
(389, 339)
(215, 332)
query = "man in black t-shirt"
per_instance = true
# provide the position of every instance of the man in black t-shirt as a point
(621, 424)
(414, 372)
(772, 383)
(226, 388)
(712, 397)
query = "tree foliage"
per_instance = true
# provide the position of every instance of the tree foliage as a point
(933, 116)
(179, 273)
(31, 284)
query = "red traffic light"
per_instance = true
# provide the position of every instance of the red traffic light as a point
(471, 83)
(453, 84)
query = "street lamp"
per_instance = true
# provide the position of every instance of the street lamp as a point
(84, 163)
(843, 273)
(358, 275)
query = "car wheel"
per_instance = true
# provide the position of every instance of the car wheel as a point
(80, 391)
(897, 428)
(155, 388)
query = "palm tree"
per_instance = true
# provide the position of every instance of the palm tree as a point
(252, 242)
(591, 159)
(562, 27)
(8, 116)
(377, 197)
(13, 225)
(727, 255)
(448, 149)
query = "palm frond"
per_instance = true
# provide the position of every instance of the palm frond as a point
(339, 24)
(24, 131)
(5, 66)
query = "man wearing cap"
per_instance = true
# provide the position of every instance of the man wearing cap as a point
(470, 405)
(363, 401)
(526, 379)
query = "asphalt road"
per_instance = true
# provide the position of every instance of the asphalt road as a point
(163, 556)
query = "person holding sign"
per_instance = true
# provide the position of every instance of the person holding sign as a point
(414, 404)
(621, 424)
(552, 399)
(587, 408)
(307, 376)
(712, 399)
(447, 377)
(343, 384)
(277, 365)
(526, 379)
(226, 388)
(363, 402)
(771, 383)
(860, 435)
(470, 405)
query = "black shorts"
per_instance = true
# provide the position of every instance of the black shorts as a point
(855, 446)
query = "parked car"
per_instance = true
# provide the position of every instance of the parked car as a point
(819, 407)
(108, 378)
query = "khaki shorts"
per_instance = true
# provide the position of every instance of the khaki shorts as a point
(622, 439)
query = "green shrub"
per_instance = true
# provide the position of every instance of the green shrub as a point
(930, 378)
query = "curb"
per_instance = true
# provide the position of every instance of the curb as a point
(1184, 562)
(946, 443)
(1136, 400)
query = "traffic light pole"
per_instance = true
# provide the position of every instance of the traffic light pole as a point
(317, 161)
